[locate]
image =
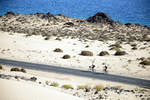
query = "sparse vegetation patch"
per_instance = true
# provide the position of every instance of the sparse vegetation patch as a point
(67, 86)
(55, 84)
(99, 87)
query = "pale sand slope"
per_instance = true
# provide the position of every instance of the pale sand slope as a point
(35, 49)
(19, 82)
(13, 90)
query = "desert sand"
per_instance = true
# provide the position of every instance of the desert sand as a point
(35, 49)
(24, 91)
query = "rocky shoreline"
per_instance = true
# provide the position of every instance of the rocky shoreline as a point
(98, 27)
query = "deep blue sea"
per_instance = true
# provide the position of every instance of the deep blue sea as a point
(133, 11)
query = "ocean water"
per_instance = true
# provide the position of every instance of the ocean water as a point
(133, 11)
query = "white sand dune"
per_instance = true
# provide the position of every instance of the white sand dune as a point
(14, 90)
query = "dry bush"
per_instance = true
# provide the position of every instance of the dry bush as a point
(55, 84)
(23, 70)
(1, 67)
(84, 87)
(115, 46)
(145, 62)
(18, 70)
(15, 69)
(86, 53)
(66, 57)
(103, 53)
(66, 86)
(99, 87)
(58, 50)
(120, 53)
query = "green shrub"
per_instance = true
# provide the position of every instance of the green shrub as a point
(66, 57)
(67, 86)
(99, 87)
(86, 53)
(55, 84)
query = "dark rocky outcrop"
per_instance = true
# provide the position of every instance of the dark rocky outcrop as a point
(48, 16)
(100, 17)
(10, 13)
(59, 25)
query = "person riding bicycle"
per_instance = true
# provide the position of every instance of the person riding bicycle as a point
(91, 68)
(105, 69)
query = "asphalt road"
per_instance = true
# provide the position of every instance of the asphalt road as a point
(76, 72)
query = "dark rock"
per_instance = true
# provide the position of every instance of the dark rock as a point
(10, 13)
(96, 92)
(33, 79)
(69, 23)
(132, 91)
(134, 48)
(100, 17)
(16, 77)
(87, 90)
(80, 21)
(48, 16)
(128, 24)
(101, 96)
(148, 98)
